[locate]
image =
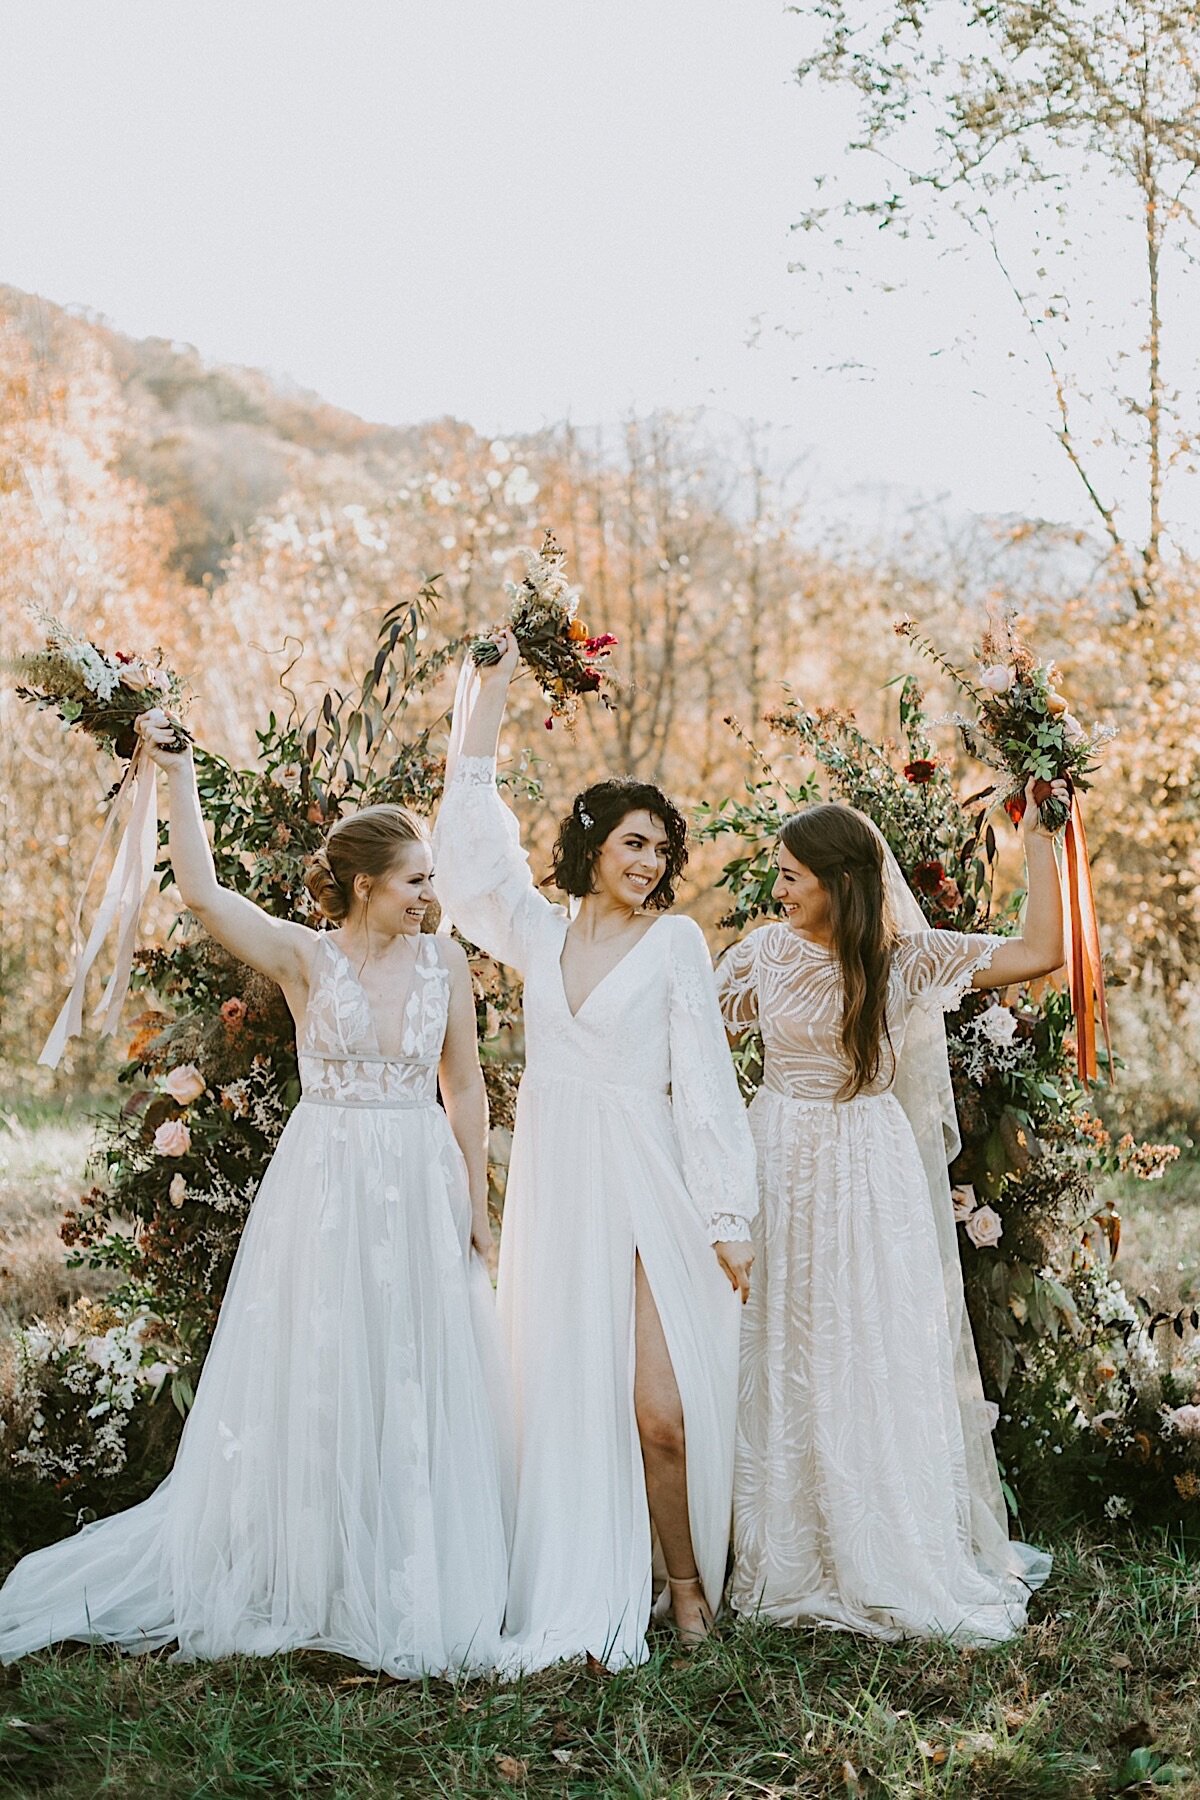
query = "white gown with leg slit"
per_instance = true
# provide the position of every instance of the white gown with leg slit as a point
(341, 1483)
(631, 1141)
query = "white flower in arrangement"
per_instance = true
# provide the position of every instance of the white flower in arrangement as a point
(1116, 1507)
(184, 1083)
(999, 679)
(964, 1202)
(985, 1228)
(998, 1024)
(1072, 730)
(101, 677)
(287, 776)
(177, 1192)
(172, 1138)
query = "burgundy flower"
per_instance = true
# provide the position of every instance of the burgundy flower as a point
(920, 771)
(595, 645)
(928, 877)
(949, 895)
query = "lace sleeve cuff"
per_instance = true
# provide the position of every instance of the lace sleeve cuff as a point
(728, 1228)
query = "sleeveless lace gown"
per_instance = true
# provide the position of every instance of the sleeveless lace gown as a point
(853, 1499)
(340, 1483)
(631, 1140)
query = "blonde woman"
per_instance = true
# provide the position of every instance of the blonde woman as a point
(340, 1484)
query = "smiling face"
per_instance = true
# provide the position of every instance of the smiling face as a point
(802, 899)
(400, 898)
(632, 860)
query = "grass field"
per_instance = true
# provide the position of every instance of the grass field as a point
(1101, 1695)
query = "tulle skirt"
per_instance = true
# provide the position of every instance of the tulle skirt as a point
(342, 1481)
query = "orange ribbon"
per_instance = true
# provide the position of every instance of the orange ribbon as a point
(1085, 966)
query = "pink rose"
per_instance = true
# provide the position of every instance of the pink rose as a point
(964, 1202)
(173, 1138)
(1184, 1420)
(184, 1083)
(984, 1228)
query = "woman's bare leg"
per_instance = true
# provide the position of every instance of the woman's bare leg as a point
(659, 1413)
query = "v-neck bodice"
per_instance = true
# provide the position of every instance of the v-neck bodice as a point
(608, 975)
(340, 1059)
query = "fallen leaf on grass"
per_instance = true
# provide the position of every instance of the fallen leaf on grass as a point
(862, 1784)
(511, 1768)
(595, 1668)
(937, 1754)
(1120, 1661)
(1014, 1717)
(35, 1733)
(562, 1756)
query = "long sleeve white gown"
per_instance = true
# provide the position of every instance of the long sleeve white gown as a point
(631, 1140)
(866, 1491)
(342, 1482)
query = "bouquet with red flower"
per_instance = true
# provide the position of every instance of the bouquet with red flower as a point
(553, 641)
(1023, 729)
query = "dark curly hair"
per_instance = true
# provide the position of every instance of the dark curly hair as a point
(595, 815)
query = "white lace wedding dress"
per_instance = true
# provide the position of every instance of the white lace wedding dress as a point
(631, 1141)
(340, 1481)
(866, 1493)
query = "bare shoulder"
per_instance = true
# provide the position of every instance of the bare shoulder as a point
(454, 957)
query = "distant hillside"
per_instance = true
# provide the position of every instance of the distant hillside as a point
(216, 446)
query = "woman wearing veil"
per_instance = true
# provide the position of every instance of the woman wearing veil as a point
(866, 1489)
(626, 1222)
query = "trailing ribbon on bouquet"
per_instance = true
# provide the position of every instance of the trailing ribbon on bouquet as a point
(132, 872)
(1085, 964)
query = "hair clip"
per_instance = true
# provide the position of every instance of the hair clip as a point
(584, 816)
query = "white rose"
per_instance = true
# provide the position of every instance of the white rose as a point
(984, 1228)
(964, 1202)
(177, 1190)
(1072, 730)
(998, 679)
(999, 1024)
(287, 776)
(184, 1083)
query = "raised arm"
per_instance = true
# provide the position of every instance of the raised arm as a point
(464, 1096)
(481, 873)
(277, 947)
(1039, 949)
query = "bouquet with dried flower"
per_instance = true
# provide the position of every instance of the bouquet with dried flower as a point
(101, 692)
(1023, 727)
(553, 641)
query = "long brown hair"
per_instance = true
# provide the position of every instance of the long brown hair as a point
(847, 859)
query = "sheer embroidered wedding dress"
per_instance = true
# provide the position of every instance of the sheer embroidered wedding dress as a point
(866, 1489)
(340, 1481)
(631, 1140)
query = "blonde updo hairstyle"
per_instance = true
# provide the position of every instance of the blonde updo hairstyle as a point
(367, 842)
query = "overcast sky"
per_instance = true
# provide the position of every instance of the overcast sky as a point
(507, 210)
